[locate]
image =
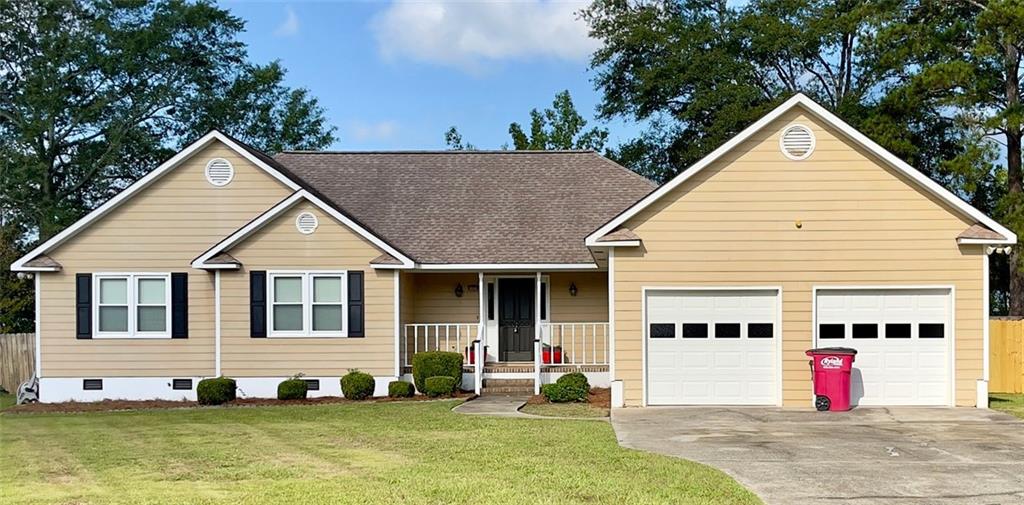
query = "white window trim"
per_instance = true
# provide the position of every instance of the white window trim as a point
(132, 279)
(307, 304)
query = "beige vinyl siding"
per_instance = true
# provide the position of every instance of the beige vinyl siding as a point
(734, 224)
(162, 228)
(434, 299)
(280, 246)
(590, 305)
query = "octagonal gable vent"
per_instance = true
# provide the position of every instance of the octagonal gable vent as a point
(219, 172)
(306, 223)
(797, 142)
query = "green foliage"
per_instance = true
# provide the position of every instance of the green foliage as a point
(401, 389)
(96, 94)
(357, 385)
(215, 391)
(571, 387)
(436, 363)
(559, 127)
(441, 385)
(17, 300)
(292, 389)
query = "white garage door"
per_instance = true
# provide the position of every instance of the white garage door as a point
(711, 347)
(902, 339)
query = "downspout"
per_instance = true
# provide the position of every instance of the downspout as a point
(216, 323)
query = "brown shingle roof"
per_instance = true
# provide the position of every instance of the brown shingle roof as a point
(223, 259)
(385, 259)
(43, 261)
(619, 234)
(475, 206)
(979, 231)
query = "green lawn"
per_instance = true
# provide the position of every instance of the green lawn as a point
(564, 410)
(371, 453)
(1011, 404)
(7, 400)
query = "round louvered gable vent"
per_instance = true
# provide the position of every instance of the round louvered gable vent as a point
(797, 142)
(219, 172)
(306, 223)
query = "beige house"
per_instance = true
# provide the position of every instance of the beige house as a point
(799, 232)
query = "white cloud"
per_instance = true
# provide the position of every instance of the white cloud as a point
(290, 25)
(363, 131)
(468, 34)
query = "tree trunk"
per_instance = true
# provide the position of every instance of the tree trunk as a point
(1014, 177)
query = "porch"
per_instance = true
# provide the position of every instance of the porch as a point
(529, 328)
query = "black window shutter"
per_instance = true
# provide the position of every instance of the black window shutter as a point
(258, 304)
(355, 305)
(179, 305)
(83, 306)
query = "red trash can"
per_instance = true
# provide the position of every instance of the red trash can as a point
(831, 366)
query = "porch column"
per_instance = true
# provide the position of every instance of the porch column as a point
(479, 355)
(537, 347)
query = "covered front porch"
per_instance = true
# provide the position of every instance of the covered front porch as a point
(528, 327)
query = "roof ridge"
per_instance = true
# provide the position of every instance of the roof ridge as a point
(445, 151)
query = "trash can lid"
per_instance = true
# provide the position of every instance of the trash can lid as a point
(832, 350)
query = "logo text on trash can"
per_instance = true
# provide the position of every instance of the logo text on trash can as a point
(831, 362)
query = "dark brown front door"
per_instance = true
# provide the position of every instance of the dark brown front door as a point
(515, 319)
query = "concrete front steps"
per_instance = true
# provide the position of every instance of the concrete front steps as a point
(507, 387)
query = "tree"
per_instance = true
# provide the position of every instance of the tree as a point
(966, 56)
(559, 128)
(94, 94)
(700, 71)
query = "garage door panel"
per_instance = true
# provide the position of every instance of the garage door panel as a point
(898, 367)
(724, 368)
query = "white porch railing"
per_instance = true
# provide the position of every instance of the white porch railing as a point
(451, 337)
(574, 344)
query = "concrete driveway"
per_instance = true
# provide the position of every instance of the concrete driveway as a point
(866, 456)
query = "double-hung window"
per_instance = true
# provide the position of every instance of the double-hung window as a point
(307, 304)
(132, 305)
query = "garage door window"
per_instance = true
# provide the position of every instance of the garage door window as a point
(662, 330)
(695, 330)
(826, 331)
(727, 330)
(897, 330)
(760, 330)
(931, 330)
(865, 330)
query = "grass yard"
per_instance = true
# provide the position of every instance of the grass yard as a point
(7, 400)
(371, 453)
(1009, 403)
(564, 410)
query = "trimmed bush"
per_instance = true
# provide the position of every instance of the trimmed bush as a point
(215, 391)
(401, 389)
(571, 387)
(574, 379)
(436, 364)
(357, 385)
(292, 389)
(441, 385)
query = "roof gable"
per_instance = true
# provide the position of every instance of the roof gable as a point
(212, 258)
(157, 174)
(818, 112)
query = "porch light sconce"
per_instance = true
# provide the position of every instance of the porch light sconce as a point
(458, 290)
(572, 289)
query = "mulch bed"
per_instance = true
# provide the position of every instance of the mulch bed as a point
(598, 398)
(121, 405)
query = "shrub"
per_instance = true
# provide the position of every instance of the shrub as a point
(215, 391)
(576, 380)
(292, 389)
(400, 389)
(357, 385)
(571, 387)
(436, 364)
(441, 385)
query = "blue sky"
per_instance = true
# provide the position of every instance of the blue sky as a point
(396, 75)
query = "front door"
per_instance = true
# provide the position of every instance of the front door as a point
(515, 319)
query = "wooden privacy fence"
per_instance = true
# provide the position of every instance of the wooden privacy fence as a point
(17, 359)
(1006, 356)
